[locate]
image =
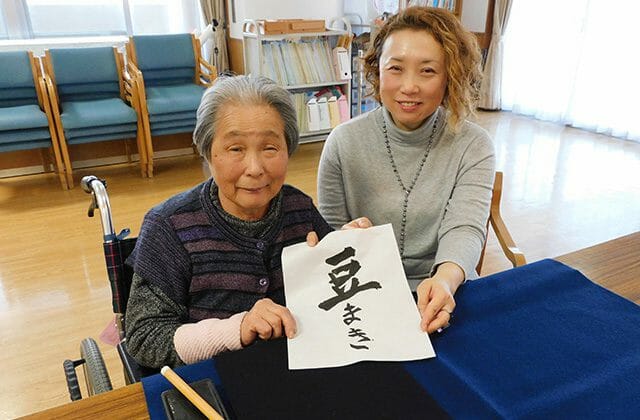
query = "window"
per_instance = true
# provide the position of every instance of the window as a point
(579, 68)
(52, 18)
(164, 16)
(24, 19)
(4, 34)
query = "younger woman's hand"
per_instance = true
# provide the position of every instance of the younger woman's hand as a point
(359, 223)
(435, 296)
(435, 303)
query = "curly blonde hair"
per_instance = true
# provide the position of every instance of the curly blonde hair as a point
(463, 61)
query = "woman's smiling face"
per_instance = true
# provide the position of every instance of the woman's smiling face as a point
(413, 78)
(249, 158)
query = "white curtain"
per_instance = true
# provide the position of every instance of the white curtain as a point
(575, 62)
(492, 75)
(217, 47)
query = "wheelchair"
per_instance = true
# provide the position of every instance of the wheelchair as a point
(117, 247)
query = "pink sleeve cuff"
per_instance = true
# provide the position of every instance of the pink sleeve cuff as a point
(206, 338)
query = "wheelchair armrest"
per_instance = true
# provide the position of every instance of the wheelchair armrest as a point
(133, 371)
(130, 366)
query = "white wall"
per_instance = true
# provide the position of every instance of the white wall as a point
(281, 9)
(474, 15)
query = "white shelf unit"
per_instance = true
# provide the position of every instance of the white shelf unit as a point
(255, 62)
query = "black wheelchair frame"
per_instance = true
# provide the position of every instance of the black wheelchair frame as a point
(117, 247)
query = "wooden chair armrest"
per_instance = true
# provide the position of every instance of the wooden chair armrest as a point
(208, 76)
(137, 80)
(211, 69)
(43, 95)
(49, 104)
(133, 71)
(130, 89)
(50, 91)
(508, 245)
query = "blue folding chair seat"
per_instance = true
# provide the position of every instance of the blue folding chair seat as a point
(22, 117)
(100, 112)
(18, 96)
(15, 140)
(174, 99)
(93, 99)
(26, 120)
(76, 133)
(187, 115)
(173, 76)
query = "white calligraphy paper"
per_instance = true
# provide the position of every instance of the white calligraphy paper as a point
(351, 301)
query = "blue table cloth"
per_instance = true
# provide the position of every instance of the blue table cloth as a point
(539, 341)
(155, 385)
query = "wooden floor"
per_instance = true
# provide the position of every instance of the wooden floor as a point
(565, 189)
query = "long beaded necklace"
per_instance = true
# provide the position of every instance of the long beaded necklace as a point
(407, 191)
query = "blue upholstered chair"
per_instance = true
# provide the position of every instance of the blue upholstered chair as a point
(172, 76)
(26, 121)
(93, 99)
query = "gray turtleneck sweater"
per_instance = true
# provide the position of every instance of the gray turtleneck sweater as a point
(448, 207)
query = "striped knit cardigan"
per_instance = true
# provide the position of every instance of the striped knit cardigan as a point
(188, 251)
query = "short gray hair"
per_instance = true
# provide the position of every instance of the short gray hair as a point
(243, 90)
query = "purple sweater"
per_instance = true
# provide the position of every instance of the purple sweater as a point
(188, 251)
(192, 256)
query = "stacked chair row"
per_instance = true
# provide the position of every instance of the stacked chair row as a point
(87, 95)
(26, 119)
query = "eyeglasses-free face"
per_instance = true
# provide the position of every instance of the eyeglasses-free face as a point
(413, 78)
(249, 158)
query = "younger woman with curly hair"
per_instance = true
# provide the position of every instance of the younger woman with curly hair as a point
(417, 162)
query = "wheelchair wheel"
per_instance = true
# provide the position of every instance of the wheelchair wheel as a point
(95, 371)
(72, 379)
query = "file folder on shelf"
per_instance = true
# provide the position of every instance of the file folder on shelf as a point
(334, 112)
(343, 108)
(342, 63)
(313, 111)
(323, 107)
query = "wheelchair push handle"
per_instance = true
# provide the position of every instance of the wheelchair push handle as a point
(100, 200)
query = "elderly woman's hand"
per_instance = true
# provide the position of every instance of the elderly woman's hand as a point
(266, 320)
(435, 297)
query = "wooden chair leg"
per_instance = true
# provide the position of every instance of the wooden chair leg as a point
(58, 167)
(64, 151)
(45, 158)
(70, 179)
(127, 150)
(147, 144)
(149, 149)
(142, 152)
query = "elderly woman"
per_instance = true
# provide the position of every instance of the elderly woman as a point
(416, 162)
(208, 274)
